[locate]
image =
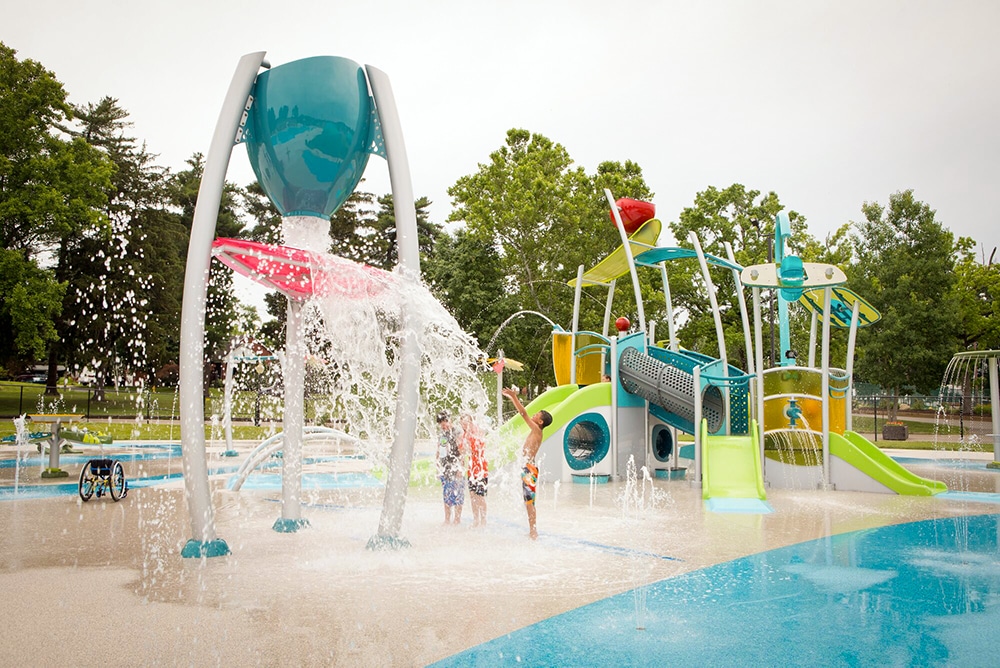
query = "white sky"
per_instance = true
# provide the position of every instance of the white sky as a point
(829, 104)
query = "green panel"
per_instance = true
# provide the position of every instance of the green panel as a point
(731, 466)
(865, 456)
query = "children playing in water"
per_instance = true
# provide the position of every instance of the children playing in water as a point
(449, 467)
(472, 442)
(529, 474)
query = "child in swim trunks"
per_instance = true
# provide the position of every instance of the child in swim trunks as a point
(529, 474)
(449, 464)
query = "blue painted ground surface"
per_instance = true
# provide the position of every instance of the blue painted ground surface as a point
(919, 594)
(256, 481)
(272, 481)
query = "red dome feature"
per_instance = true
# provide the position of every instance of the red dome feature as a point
(622, 324)
(634, 213)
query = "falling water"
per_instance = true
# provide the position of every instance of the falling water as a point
(965, 406)
(21, 441)
(637, 500)
(353, 333)
(489, 346)
(800, 453)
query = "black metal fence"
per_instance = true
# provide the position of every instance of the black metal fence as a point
(924, 415)
(130, 403)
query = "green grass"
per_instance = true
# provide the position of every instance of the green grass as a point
(865, 424)
(130, 431)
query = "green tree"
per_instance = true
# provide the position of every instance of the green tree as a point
(32, 300)
(382, 240)
(544, 217)
(52, 198)
(122, 308)
(905, 268)
(222, 320)
(465, 274)
(977, 294)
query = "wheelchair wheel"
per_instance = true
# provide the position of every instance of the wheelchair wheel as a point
(117, 484)
(88, 481)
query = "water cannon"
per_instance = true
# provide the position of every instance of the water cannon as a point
(793, 412)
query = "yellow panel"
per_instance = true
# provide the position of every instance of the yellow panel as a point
(616, 263)
(589, 368)
(841, 307)
(805, 385)
(561, 342)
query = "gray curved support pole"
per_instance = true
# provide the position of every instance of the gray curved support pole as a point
(852, 338)
(719, 332)
(696, 482)
(671, 329)
(609, 302)
(192, 339)
(631, 260)
(613, 352)
(576, 324)
(994, 375)
(744, 316)
(825, 384)
(401, 456)
(759, 355)
(712, 299)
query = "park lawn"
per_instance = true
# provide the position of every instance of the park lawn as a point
(18, 398)
(148, 431)
(864, 424)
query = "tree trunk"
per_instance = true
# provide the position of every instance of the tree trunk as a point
(52, 375)
(893, 404)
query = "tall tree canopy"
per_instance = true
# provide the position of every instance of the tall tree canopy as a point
(977, 294)
(544, 216)
(124, 285)
(905, 268)
(53, 190)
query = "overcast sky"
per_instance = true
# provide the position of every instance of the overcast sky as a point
(829, 104)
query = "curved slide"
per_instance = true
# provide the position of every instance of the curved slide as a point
(564, 403)
(731, 471)
(865, 456)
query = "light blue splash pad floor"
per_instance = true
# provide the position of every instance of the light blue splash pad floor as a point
(917, 594)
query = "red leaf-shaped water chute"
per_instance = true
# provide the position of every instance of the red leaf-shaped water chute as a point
(299, 274)
(634, 212)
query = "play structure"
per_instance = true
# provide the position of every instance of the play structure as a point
(785, 426)
(309, 127)
(61, 434)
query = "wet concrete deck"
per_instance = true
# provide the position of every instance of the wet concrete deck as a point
(95, 582)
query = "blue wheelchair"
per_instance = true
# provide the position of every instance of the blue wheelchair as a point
(100, 476)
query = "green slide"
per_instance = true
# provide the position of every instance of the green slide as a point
(731, 467)
(865, 456)
(564, 403)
